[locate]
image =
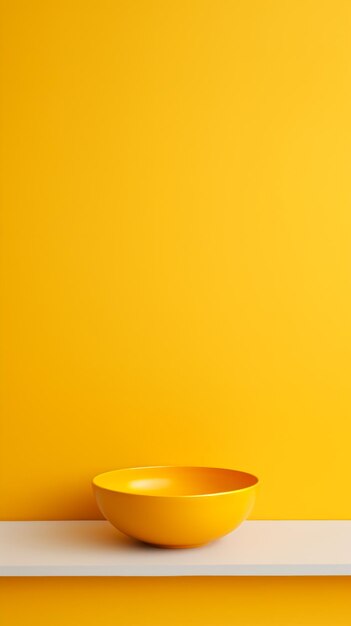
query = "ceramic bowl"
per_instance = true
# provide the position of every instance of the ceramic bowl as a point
(175, 507)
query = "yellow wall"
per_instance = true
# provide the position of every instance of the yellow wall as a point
(175, 276)
(163, 602)
(176, 247)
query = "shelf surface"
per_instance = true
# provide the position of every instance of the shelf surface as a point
(256, 548)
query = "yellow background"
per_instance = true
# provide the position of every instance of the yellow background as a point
(176, 253)
(177, 601)
(176, 225)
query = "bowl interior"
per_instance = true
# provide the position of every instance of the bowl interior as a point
(174, 481)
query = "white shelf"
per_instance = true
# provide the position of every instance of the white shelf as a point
(95, 548)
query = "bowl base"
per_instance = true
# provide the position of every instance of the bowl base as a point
(182, 547)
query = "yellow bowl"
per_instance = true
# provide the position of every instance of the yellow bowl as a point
(175, 507)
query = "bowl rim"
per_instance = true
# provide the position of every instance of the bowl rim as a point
(196, 495)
